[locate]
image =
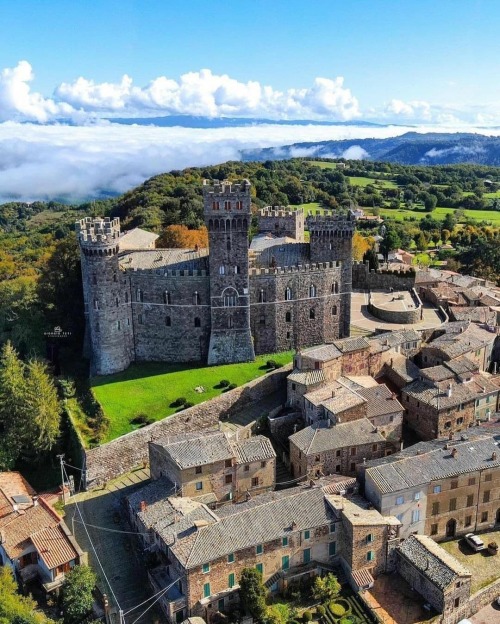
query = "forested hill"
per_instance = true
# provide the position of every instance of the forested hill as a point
(411, 148)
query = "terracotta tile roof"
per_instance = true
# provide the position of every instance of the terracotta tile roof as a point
(320, 438)
(13, 483)
(348, 345)
(54, 547)
(380, 401)
(137, 239)
(363, 578)
(28, 522)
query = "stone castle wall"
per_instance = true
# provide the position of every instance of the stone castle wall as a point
(120, 456)
(364, 279)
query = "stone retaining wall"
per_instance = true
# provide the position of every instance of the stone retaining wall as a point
(398, 316)
(476, 602)
(131, 450)
(364, 279)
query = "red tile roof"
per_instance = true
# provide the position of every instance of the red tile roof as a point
(54, 547)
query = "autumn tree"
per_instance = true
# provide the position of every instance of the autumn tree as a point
(360, 245)
(181, 237)
(326, 588)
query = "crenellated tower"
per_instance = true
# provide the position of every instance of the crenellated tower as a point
(108, 315)
(331, 240)
(227, 209)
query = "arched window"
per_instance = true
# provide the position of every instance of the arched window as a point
(312, 313)
(222, 270)
(139, 296)
(215, 205)
(288, 294)
(331, 246)
(197, 322)
(236, 269)
(230, 299)
(262, 320)
(335, 288)
(239, 205)
(288, 317)
(334, 310)
(262, 296)
(227, 205)
(167, 297)
(168, 321)
(312, 290)
(196, 298)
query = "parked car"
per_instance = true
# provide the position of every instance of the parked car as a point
(475, 542)
(497, 601)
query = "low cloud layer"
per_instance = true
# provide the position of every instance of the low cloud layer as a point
(76, 162)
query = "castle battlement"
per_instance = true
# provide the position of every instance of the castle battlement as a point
(98, 231)
(279, 211)
(299, 268)
(225, 188)
(169, 272)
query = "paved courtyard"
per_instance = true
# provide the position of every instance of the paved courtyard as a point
(360, 317)
(485, 568)
(394, 601)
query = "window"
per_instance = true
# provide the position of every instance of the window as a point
(168, 321)
(335, 287)
(288, 294)
(288, 317)
(228, 479)
(434, 529)
(96, 304)
(206, 568)
(139, 295)
(332, 549)
(306, 555)
(246, 468)
(227, 205)
(468, 520)
(416, 496)
(307, 534)
(337, 453)
(228, 244)
(453, 504)
(230, 322)
(369, 538)
(457, 602)
(487, 477)
(196, 299)
(484, 516)
(230, 300)
(415, 515)
(374, 448)
(263, 464)
(370, 555)
(228, 463)
(400, 500)
(255, 481)
(312, 313)
(222, 270)
(312, 290)
(258, 549)
(126, 297)
(486, 496)
(337, 468)
(472, 481)
(206, 590)
(230, 558)
(460, 421)
(167, 298)
(230, 580)
(284, 541)
(140, 319)
(262, 296)
(285, 562)
(454, 485)
(334, 310)
(435, 509)
(332, 527)
(239, 205)
(215, 205)
(221, 605)
(470, 500)
(447, 424)
(353, 450)
(353, 466)
(198, 470)
(197, 321)
(199, 485)
(260, 567)
(236, 269)
(436, 489)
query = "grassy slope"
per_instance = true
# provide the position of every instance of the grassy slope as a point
(150, 388)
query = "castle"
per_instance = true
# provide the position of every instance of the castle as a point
(221, 305)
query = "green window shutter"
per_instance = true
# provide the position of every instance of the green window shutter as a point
(285, 562)
(206, 590)
(307, 555)
(231, 580)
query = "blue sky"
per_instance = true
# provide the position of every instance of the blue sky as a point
(442, 53)
(406, 64)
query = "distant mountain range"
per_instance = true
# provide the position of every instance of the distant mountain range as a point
(411, 148)
(192, 121)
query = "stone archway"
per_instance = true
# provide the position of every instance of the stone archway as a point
(451, 527)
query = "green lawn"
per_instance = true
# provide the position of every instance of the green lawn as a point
(439, 214)
(362, 181)
(321, 164)
(150, 388)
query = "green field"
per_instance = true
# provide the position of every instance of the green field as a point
(362, 181)
(321, 164)
(150, 388)
(439, 213)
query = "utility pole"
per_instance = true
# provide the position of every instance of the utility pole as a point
(60, 458)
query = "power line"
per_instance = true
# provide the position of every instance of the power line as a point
(101, 528)
(162, 591)
(159, 598)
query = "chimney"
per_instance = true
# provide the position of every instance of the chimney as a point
(449, 391)
(494, 456)
(294, 525)
(454, 452)
(35, 501)
(393, 396)
(142, 506)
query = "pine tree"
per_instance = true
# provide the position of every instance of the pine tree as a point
(41, 406)
(12, 383)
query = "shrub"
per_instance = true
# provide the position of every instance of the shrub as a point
(231, 386)
(223, 383)
(272, 364)
(67, 388)
(141, 419)
(307, 616)
(320, 610)
(336, 609)
(178, 402)
(188, 404)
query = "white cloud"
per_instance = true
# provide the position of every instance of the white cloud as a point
(355, 152)
(212, 95)
(18, 101)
